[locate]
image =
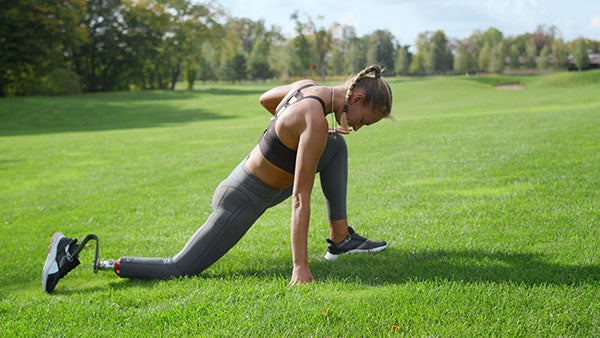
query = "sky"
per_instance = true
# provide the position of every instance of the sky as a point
(407, 18)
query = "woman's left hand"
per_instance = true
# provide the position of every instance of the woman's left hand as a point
(301, 275)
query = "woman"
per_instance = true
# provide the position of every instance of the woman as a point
(297, 144)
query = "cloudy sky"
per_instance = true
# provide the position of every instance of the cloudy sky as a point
(407, 18)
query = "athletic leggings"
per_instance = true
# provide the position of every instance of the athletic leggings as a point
(237, 203)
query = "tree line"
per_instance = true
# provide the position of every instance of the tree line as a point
(71, 46)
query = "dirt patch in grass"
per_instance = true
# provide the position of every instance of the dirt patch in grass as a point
(511, 87)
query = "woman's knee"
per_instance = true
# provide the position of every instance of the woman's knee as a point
(337, 143)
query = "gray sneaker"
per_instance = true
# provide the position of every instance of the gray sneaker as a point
(353, 243)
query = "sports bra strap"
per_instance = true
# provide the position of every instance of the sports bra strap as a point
(318, 99)
(305, 86)
(286, 99)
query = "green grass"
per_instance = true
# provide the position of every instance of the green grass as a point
(488, 199)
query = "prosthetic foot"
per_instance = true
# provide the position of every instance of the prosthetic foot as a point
(63, 254)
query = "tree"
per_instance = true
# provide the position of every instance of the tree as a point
(355, 57)
(247, 32)
(580, 54)
(419, 61)
(543, 61)
(491, 36)
(37, 37)
(337, 61)
(462, 59)
(514, 55)
(341, 36)
(106, 60)
(483, 60)
(417, 64)
(383, 47)
(559, 54)
(530, 54)
(301, 46)
(233, 69)
(497, 56)
(542, 37)
(403, 57)
(438, 57)
(258, 63)
(323, 42)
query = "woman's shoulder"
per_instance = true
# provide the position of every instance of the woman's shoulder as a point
(304, 82)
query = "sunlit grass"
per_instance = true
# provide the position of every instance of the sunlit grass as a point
(488, 199)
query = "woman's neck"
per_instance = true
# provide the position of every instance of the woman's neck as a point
(339, 96)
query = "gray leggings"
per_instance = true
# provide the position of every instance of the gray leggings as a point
(237, 203)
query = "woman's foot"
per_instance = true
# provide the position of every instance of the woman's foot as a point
(353, 243)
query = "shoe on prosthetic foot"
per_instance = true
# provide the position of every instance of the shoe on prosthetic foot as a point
(352, 244)
(62, 257)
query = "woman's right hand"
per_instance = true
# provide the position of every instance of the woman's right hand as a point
(301, 275)
(339, 130)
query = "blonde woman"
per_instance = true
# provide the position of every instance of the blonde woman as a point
(297, 144)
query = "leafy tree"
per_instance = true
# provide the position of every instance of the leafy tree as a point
(189, 24)
(580, 54)
(462, 59)
(337, 62)
(371, 53)
(543, 37)
(497, 57)
(384, 49)
(279, 55)
(105, 61)
(355, 57)
(543, 61)
(423, 45)
(36, 37)
(593, 45)
(438, 57)
(530, 53)
(323, 42)
(247, 32)
(491, 36)
(514, 57)
(483, 60)
(191, 72)
(258, 63)
(559, 54)
(417, 64)
(403, 58)
(301, 46)
(341, 36)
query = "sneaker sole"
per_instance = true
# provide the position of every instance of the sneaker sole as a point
(332, 257)
(51, 258)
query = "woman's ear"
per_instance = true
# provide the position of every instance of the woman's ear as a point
(358, 97)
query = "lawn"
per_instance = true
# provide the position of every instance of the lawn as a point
(489, 200)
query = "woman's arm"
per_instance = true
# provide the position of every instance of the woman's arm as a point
(310, 146)
(271, 98)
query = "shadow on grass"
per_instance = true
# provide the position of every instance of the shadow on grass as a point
(398, 267)
(469, 266)
(106, 111)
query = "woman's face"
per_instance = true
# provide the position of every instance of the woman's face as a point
(360, 114)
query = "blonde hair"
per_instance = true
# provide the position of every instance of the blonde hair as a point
(378, 94)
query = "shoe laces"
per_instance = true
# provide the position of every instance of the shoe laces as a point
(354, 235)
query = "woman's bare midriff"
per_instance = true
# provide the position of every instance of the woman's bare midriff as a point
(267, 172)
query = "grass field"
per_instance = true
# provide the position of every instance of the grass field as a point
(489, 200)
